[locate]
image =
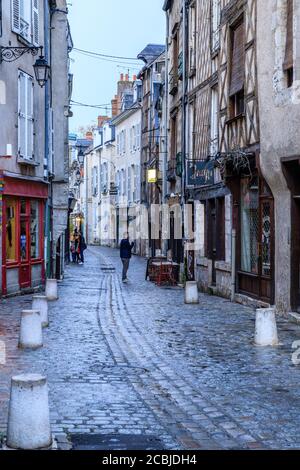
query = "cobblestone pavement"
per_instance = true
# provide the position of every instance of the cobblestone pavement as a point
(132, 359)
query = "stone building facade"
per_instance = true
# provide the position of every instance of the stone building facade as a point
(30, 159)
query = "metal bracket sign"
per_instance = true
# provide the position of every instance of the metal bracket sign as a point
(200, 172)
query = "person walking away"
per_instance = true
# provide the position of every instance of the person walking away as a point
(81, 247)
(125, 255)
(76, 242)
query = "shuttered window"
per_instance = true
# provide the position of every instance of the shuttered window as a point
(237, 75)
(289, 49)
(15, 15)
(129, 184)
(25, 19)
(25, 116)
(35, 22)
(138, 136)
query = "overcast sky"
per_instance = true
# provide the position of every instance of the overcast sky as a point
(113, 27)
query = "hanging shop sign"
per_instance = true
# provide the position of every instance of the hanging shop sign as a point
(152, 176)
(200, 172)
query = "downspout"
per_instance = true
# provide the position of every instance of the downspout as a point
(47, 228)
(233, 264)
(166, 125)
(184, 105)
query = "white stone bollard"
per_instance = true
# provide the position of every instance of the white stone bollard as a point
(28, 418)
(31, 335)
(40, 302)
(265, 327)
(51, 289)
(191, 294)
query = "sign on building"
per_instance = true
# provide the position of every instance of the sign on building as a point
(200, 173)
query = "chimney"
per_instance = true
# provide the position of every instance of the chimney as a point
(126, 77)
(134, 78)
(102, 120)
(115, 106)
(122, 77)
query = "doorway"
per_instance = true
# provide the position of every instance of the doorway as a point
(256, 239)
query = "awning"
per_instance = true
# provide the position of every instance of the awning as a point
(25, 188)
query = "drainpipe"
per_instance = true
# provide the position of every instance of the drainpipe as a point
(233, 263)
(184, 105)
(47, 228)
(166, 126)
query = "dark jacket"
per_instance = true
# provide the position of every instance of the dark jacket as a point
(126, 248)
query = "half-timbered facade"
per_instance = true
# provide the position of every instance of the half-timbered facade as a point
(239, 157)
(175, 83)
(151, 81)
(214, 145)
(203, 180)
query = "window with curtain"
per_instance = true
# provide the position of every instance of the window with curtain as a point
(214, 129)
(249, 224)
(288, 64)
(237, 70)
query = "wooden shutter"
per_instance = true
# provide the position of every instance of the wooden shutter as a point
(35, 22)
(29, 118)
(25, 116)
(129, 184)
(289, 49)
(15, 16)
(238, 60)
(22, 115)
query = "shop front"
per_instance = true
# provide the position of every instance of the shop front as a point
(253, 219)
(23, 215)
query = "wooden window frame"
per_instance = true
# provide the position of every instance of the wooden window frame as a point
(236, 93)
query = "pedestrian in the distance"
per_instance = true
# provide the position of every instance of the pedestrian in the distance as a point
(81, 247)
(125, 255)
(76, 238)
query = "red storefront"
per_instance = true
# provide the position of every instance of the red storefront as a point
(23, 221)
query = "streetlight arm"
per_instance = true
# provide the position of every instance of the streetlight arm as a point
(10, 54)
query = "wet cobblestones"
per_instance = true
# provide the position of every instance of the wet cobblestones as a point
(133, 359)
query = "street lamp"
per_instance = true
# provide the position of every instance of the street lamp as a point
(41, 70)
(41, 66)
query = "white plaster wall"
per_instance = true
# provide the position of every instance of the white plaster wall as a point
(279, 128)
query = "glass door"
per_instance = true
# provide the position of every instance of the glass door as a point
(25, 275)
(256, 275)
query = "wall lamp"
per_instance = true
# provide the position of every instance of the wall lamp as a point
(41, 66)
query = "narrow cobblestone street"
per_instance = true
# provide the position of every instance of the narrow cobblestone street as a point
(134, 360)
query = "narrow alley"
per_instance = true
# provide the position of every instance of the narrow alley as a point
(132, 363)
